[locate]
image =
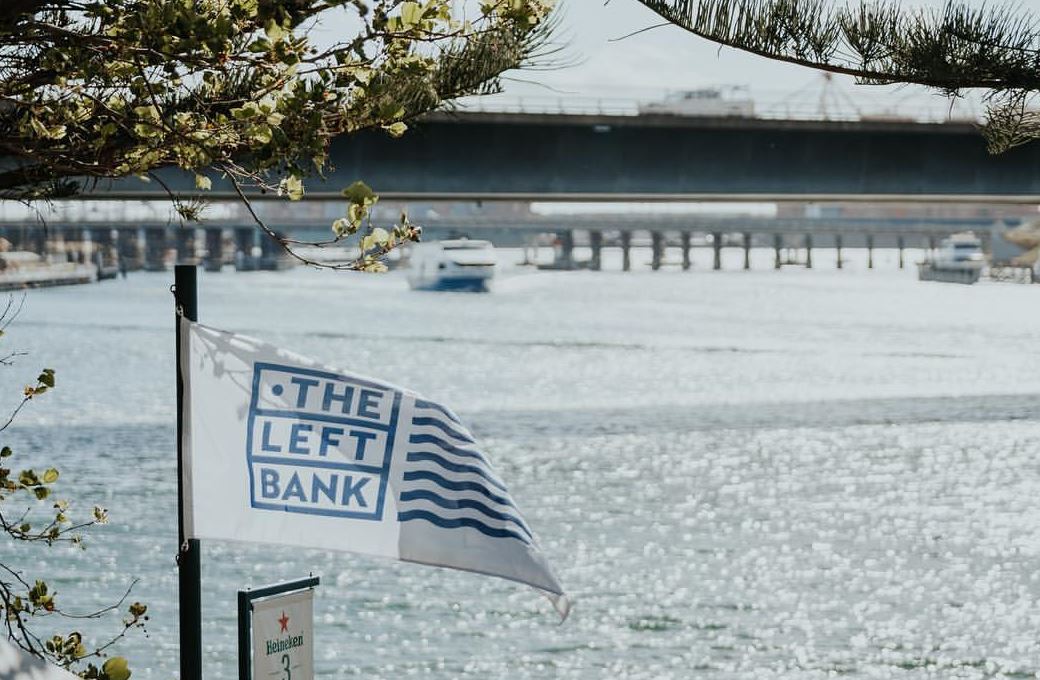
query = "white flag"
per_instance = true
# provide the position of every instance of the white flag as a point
(18, 665)
(279, 449)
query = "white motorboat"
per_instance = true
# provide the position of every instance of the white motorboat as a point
(958, 259)
(458, 264)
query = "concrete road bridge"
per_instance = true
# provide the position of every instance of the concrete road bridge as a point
(479, 156)
(482, 156)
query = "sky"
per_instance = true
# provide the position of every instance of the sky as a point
(645, 66)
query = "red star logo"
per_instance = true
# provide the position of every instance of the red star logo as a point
(284, 621)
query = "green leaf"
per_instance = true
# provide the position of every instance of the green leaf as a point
(50, 476)
(396, 129)
(203, 183)
(5, 452)
(116, 668)
(411, 14)
(293, 188)
(358, 192)
(341, 227)
(38, 127)
(262, 134)
(273, 30)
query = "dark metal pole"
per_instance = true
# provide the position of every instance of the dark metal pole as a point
(244, 621)
(189, 563)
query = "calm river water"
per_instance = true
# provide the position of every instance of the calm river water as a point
(737, 475)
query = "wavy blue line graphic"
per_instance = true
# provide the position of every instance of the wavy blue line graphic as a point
(442, 426)
(447, 447)
(464, 504)
(457, 522)
(422, 403)
(455, 485)
(420, 456)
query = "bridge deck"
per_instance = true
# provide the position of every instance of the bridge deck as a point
(490, 156)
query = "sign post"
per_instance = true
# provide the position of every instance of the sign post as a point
(276, 631)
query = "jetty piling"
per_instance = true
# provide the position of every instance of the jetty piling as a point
(131, 256)
(656, 249)
(186, 246)
(214, 260)
(155, 248)
(596, 243)
(37, 241)
(564, 256)
(272, 255)
(245, 241)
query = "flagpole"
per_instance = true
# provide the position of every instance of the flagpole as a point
(189, 563)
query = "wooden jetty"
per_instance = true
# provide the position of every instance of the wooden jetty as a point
(20, 269)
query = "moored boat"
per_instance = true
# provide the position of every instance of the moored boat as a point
(457, 264)
(22, 269)
(958, 259)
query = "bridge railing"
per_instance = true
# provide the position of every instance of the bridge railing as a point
(914, 106)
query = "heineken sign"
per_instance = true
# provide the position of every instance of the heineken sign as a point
(283, 637)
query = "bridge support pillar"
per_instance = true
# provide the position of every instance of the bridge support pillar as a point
(656, 249)
(565, 257)
(527, 251)
(901, 245)
(86, 247)
(870, 251)
(186, 246)
(778, 242)
(273, 256)
(101, 252)
(596, 242)
(716, 245)
(808, 251)
(747, 251)
(626, 251)
(837, 247)
(155, 247)
(56, 246)
(37, 239)
(214, 250)
(72, 245)
(685, 236)
(245, 241)
(129, 247)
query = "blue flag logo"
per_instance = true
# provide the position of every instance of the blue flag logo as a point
(319, 443)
